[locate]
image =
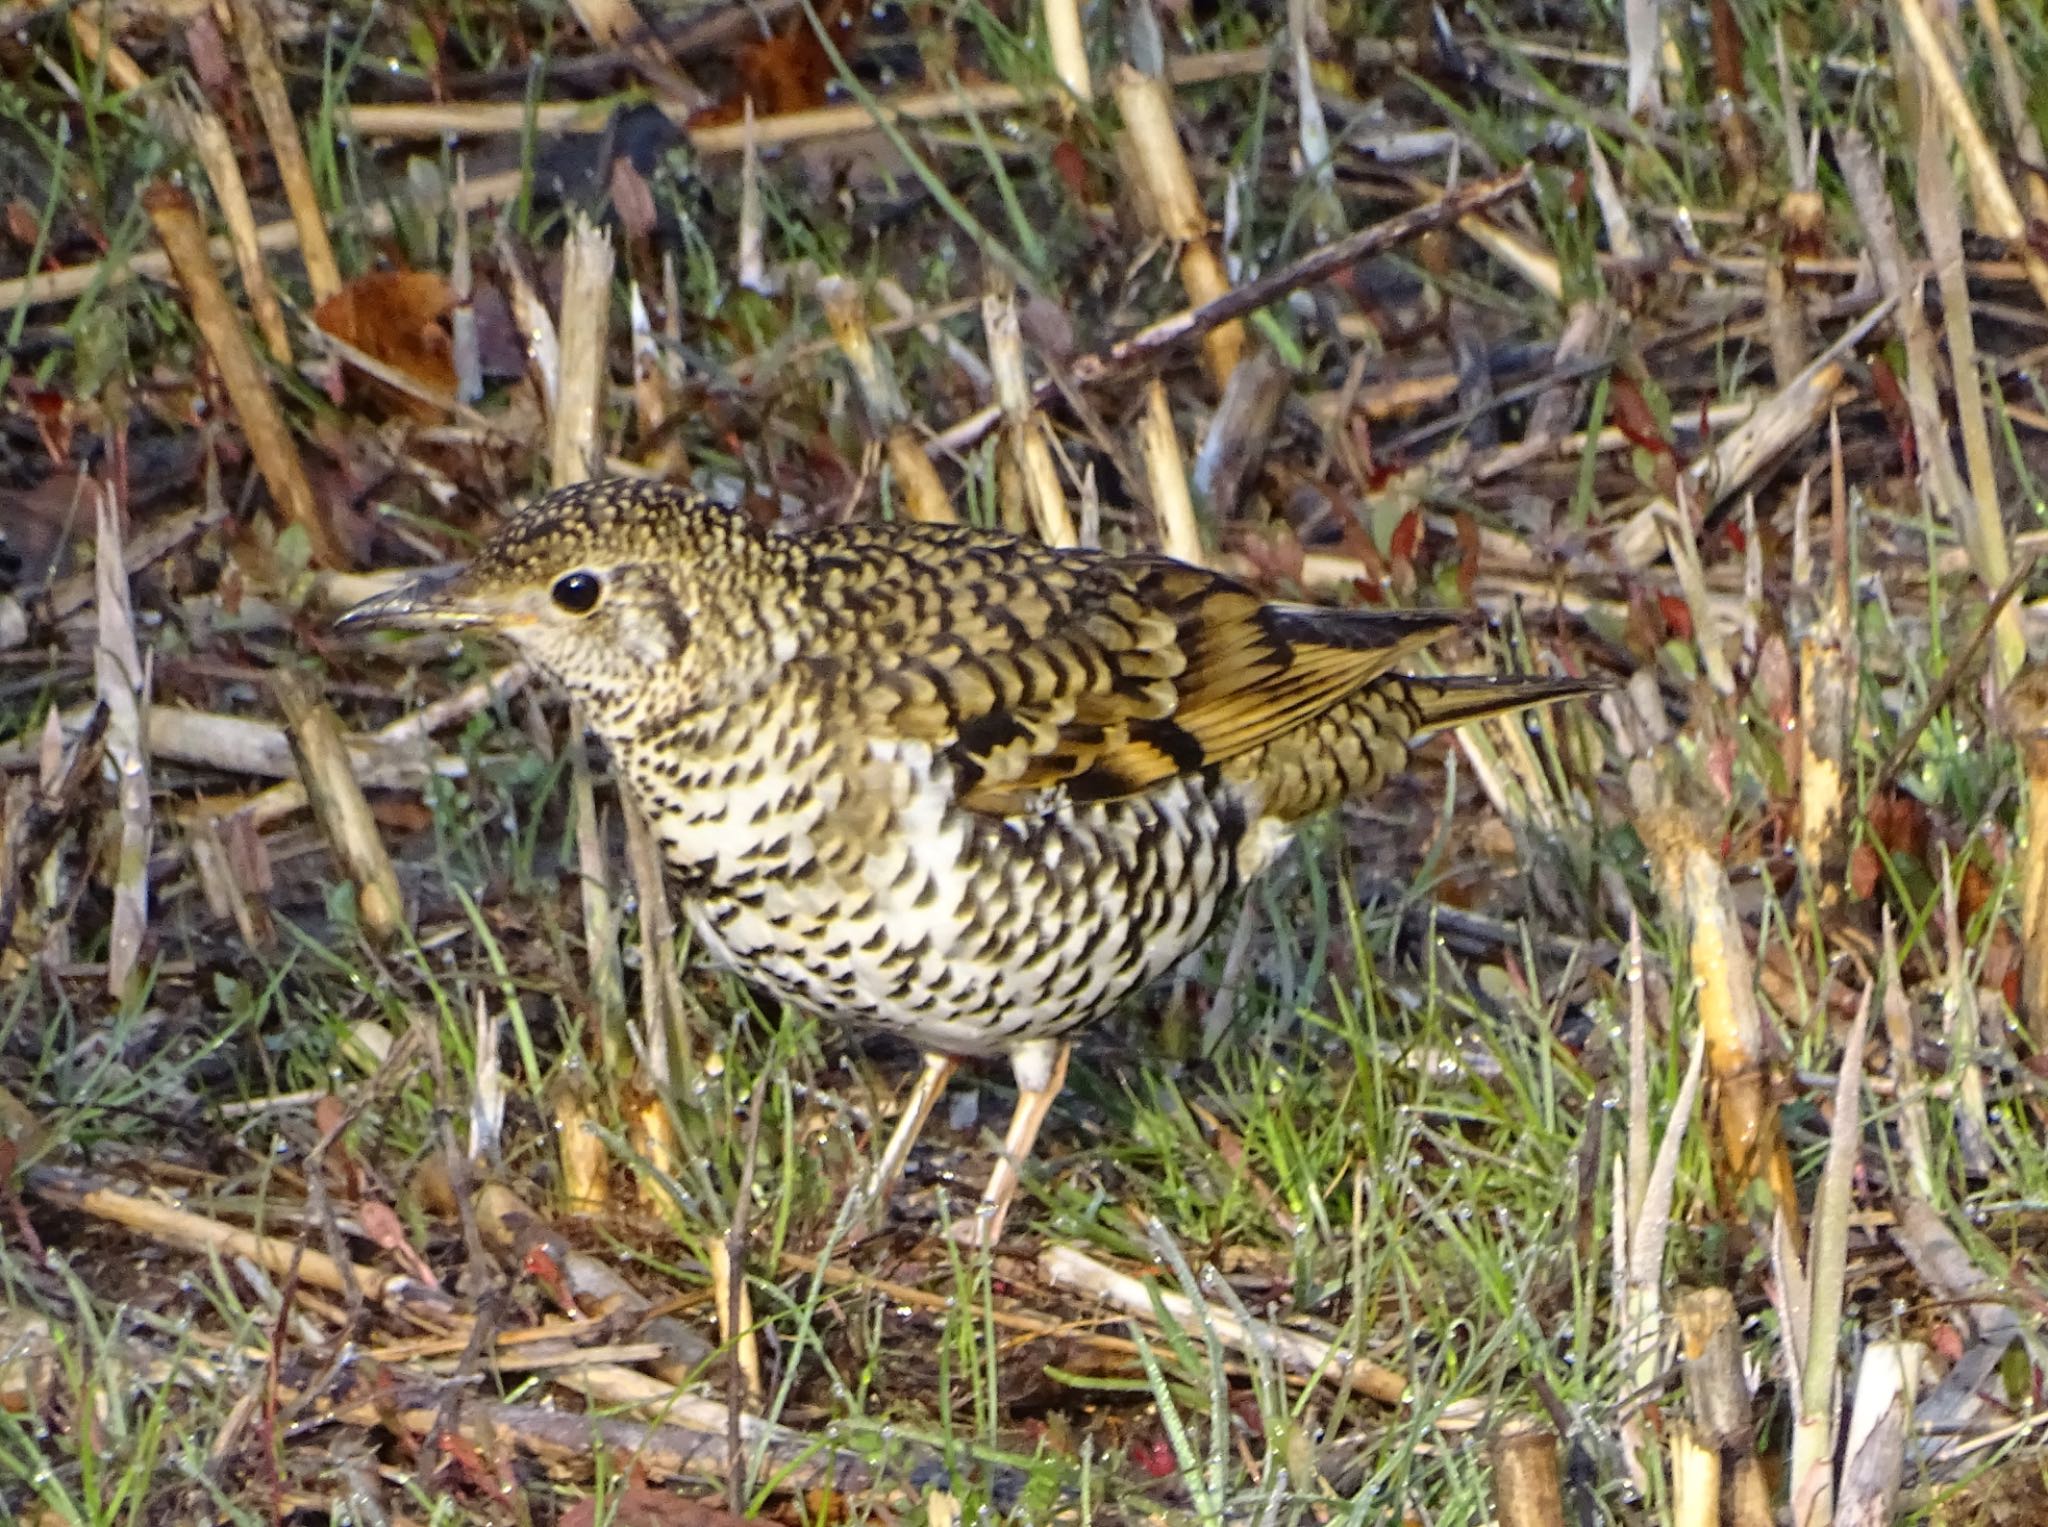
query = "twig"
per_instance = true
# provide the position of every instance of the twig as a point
(1066, 1267)
(1193, 323)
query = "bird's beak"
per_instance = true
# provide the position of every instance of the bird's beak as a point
(442, 601)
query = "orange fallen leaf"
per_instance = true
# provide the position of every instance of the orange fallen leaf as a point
(790, 71)
(395, 317)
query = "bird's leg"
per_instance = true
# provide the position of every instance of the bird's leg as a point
(923, 1098)
(1041, 1070)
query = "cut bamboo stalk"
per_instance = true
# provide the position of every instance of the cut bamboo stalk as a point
(1068, 48)
(1830, 675)
(176, 220)
(338, 803)
(735, 1308)
(1027, 432)
(922, 495)
(273, 104)
(1175, 205)
(1874, 1454)
(586, 1164)
(1695, 1477)
(1710, 1342)
(1528, 1486)
(1180, 533)
(1941, 480)
(1695, 890)
(577, 443)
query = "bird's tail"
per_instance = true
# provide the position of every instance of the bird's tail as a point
(1454, 699)
(1353, 747)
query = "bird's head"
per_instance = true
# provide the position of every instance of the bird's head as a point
(634, 596)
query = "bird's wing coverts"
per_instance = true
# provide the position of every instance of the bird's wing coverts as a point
(1104, 676)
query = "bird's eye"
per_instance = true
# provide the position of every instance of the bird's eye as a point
(577, 592)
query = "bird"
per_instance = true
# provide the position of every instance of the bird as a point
(950, 783)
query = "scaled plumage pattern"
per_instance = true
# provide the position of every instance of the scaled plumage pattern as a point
(949, 782)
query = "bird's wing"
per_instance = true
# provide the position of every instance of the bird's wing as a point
(1104, 676)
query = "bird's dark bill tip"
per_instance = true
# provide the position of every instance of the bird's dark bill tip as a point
(421, 605)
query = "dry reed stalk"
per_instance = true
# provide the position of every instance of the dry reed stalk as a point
(1916, 1134)
(1984, 530)
(1180, 532)
(1168, 194)
(1643, 30)
(338, 802)
(1809, 1475)
(650, 1125)
(1996, 208)
(176, 220)
(208, 136)
(2026, 716)
(226, 897)
(751, 264)
(2012, 99)
(121, 681)
(281, 124)
(1710, 1342)
(653, 396)
(1066, 1267)
(1067, 46)
(1695, 890)
(1528, 1486)
(919, 491)
(277, 1255)
(1029, 436)
(412, 121)
(1307, 30)
(1800, 225)
(1240, 430)
(382, 759)
(600, 912)
(576, 445)
(1941, 481)
(1695, 1476)
(464, 343)
(1681, 544)
(197, 124)
(735, 1308)
(1830, 676)
(1965, 1034)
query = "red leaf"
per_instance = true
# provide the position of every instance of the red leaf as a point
(1677, 616)
(1632, 415)
(1891, 398)
(1401, 545)
(1072, 169)
(1864, 870)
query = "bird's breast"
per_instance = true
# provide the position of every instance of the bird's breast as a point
(846, 877)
